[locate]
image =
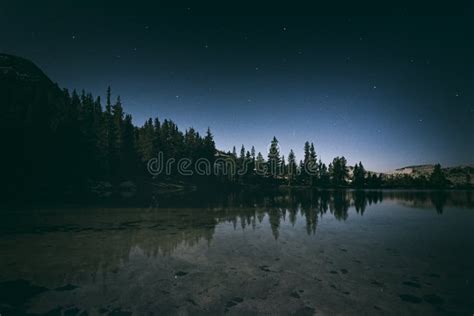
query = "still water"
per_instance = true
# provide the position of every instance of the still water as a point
(391, 252)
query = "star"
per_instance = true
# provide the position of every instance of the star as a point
(73, 37)
(206, 46)
(457, 94)
(147, 27)
(177, 97)
(374, 87)
(284, 28)
(256, 68)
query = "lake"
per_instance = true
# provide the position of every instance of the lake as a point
(329, 252)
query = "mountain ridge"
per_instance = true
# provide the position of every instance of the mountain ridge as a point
(21, 68)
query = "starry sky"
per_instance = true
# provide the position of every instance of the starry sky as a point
(389, 86)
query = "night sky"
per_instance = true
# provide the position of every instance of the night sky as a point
(391, 86)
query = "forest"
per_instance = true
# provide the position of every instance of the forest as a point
(87, 144)
(70, 144)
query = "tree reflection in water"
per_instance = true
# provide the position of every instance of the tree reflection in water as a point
(94, 246)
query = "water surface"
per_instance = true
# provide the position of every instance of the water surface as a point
(302, 253)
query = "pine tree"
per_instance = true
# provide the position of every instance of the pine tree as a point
(301, 173)
(146, 134)
(250, 163)
(274, 160)
(108, 104)
(128, 157)
(156, 143)
(312, 165)
(118, 115)
(358, 177)
(292, 168)
(259, 163)
(338, 171)
(306, 160)
(242, 153)
(283, 166)
(306, 152)
(324, 175)
(209, 146)
(437, 177)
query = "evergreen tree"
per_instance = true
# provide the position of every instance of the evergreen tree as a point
(108, 103)
(128, 156)
(358, 178)
(250, 163)
(312, 165)
(146, 135)
(301, 173)
(437, 177)
(324, 175)
(156, 142)
(338, 171)
(283, 166)
(259, 163)
(99, 127)
(306, 152)
(355, 174)
(274, 160)
(209, 146)
(292, 168)
(242, 153)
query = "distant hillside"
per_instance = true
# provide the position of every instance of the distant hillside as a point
(457, 175)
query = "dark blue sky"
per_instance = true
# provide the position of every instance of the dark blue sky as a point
(389, 86)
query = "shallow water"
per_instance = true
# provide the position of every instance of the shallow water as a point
(302, 253)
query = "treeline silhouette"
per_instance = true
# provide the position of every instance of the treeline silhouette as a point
(70, 144)
(86, 148)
